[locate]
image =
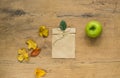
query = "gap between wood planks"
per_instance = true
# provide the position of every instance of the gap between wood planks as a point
(82, 62)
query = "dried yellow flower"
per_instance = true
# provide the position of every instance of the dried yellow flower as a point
(26, 57)
(22, 55)
(43, 31)
(20, 58)
(22, 51)
(31, 44)
(39, 73)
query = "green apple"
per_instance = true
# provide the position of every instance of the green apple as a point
(93, 29)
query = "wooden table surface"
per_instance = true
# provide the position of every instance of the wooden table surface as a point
(21, 19)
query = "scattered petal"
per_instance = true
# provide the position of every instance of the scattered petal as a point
(20, 58)
(22, 51)
(35, 52)
(31, 44)
(43, 31)
(22, 55)
(26, 57)
(39, 73)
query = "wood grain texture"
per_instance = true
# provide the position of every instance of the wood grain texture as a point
(20, 20)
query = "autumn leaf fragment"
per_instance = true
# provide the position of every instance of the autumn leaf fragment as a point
(31, 44)
(39, 73)
(35, 52)
(22, 55)
(20, 58)
(43, 31)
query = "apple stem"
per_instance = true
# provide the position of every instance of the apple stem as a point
(92, 28)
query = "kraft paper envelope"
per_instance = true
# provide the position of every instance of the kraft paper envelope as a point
(63, 45)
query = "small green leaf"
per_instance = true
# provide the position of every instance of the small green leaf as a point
(63, 25)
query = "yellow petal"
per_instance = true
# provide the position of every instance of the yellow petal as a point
(21, 51)
(26, 58)
(25, 55)
(31, 44)
(20, 58)
(41, 34)
(43, 31)
(42, 28)
(39, 73)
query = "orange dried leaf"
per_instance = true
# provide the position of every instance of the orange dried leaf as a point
(35, 52)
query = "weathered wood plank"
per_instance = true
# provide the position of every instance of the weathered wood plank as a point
(20, 20)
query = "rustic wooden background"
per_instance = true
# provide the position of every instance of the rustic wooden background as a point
(20, 20)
